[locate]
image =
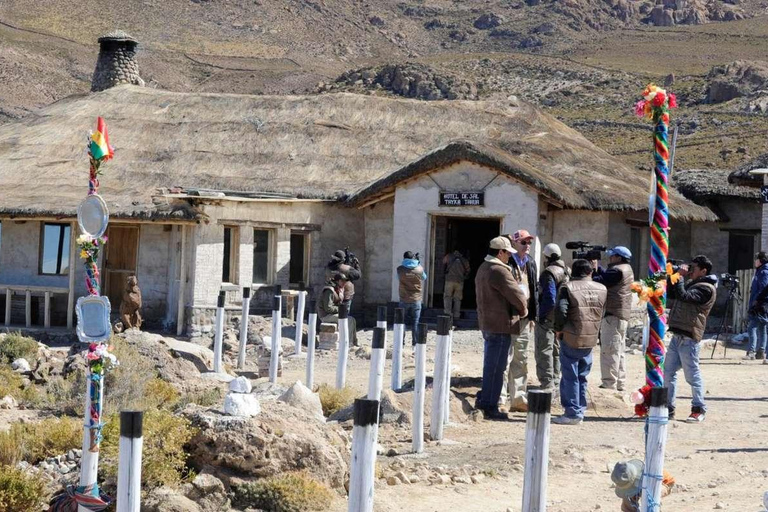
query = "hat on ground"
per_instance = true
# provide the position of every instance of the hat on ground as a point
(551, 249)
(628, 477)
(501, 242)
(620, 251)
(521, 234)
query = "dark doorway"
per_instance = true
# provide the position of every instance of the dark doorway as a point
(470, 237)
(741, 251)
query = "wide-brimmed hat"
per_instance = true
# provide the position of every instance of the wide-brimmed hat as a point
(501, 242)
(628, 477)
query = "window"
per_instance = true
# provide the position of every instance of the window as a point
(261, 240)
(54, 249)
(635, 247)
(299, 258)
(229, 269)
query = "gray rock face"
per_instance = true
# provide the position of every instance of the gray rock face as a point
(737, 79)
(488, 21)
(303, 398)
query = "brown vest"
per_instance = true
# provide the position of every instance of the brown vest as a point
(586, 302)
(411, 283)
(691, 319)
(561, 275)
(619, 301)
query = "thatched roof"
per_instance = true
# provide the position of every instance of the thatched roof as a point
(324, 147)
(741, 175)
(700, 185)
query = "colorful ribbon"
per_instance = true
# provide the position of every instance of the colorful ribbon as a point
(88, 496)
(95, 425)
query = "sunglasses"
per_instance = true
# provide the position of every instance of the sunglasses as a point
(526, 242)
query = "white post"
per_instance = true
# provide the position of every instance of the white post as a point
(363, 464)
(277, 327)
(655, 444)
(536, 451)
(28, 308)
(89, 463)
(219, 332)
(129, 461)
(312, 325)
(448, 349)
(419, 383)
(244, 327)
(341, 365)
(378, 356)
(398, 333)
(300, 319)
(8, 299)
(47, 321)
(437, 420)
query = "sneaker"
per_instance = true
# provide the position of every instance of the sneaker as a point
(566, 420)
(750, 356)
(760, 355)
(697, 415)
(494, 415)
(671, 412)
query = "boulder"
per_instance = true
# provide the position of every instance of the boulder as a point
(488, 21)
(168, 500)
(662, 17)
(240, 385)
(238, 404)
(282, 438)
(208, 492)
(303, 398)
(21, 365)
(390, 410)
(8, 402)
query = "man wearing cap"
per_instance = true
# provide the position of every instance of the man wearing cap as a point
(525, 271)
(351, 269)
(617, 278)
(555, 274)
(411, 277)
(501, 303)
(331, 299)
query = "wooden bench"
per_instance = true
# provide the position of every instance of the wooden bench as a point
(46, 291)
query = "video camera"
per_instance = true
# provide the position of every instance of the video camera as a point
(417, 257)
(586, 251)
(729, 280)
(350, 258)
(676, 264)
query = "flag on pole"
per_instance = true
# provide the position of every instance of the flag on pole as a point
(99, 146)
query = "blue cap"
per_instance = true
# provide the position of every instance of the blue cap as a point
(619, 250)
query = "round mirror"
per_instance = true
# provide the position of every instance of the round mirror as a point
(93, 216)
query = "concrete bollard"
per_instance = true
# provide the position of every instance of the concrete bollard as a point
(311, 327)
(398, 334)
(419, 385)
(300, 319)
(341, 365)
(244, 327)
(449, 351)
(89, 463)
(536, 451)
(363, 465)
(274, 357)
(378, 356)
(655, 446)
(381, 317)
(129, 461)
(439, 380)
(219, 332)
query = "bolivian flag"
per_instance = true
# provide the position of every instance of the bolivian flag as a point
(99, 146)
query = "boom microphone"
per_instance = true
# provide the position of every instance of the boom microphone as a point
(575, 245)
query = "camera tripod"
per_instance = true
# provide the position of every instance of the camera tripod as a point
(734, 297)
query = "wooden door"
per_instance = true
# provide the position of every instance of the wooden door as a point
(120, 261)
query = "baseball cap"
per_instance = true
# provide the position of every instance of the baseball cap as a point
(501, 242)
(628, 477)
(521, 234)
(551, 249)
(620, 251)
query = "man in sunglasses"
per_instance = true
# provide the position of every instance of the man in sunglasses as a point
(524, 269)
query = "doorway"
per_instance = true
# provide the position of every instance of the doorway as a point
(120, 261)
(471, 237)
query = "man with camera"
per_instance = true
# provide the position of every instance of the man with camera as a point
(555, 274)
(346, 263)
(617, 278)
(411, 277)
(694, 295)
(758, 310)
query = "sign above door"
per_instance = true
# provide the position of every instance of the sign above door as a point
(462, 198)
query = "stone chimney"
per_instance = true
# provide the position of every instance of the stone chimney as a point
(117, 62)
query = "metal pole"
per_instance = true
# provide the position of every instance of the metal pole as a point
(299, 319)
(437, 420)
(655, 446)
(244, 327)
(219, 332)
(536, 451)
(378, 356)
(398, 333)
(419, 385)
(341, 365)
(311, 343)
(129, 461)
(363, 464)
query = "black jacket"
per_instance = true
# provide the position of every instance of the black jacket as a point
(533, 285)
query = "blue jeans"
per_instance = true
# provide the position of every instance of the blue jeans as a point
(575, 365)
(494, 368)
(758, 333)
(412, 311)
(683, 352)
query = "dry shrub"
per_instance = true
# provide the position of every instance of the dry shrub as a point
(34, 442)
(159, 394)
(125, 385)
(204, 398)
(65, 396)
(14, 346)
(289, 492)
(333, 399)
(20, 491)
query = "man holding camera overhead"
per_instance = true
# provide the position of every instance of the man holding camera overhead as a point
(617, 278)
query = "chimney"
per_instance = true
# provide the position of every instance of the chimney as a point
(117, 62)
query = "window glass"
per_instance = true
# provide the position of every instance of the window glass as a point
(54, 252)
(260, 256)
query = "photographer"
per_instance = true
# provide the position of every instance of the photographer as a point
(411, 277)
(331, 300)
(758, 309)
(617, 278)
(346, 263)
(694, 294)
(553, 277)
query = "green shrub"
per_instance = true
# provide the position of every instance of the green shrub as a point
(333, 399)
(204, 398)
(14, 346)
(10, 382)
(47, 438)
(164, 461)
(159, 394)
(20, 491)
(290, 492)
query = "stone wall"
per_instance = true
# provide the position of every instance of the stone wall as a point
(116, 63)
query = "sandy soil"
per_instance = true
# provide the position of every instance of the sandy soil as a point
(721, 463)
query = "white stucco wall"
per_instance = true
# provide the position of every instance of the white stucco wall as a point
(517, 206)
(378, 251)
(579, 225)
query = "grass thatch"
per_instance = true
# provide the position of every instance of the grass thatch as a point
(325, 147)
(703, 184)
(741, 175)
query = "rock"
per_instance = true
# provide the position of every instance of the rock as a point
(21, 365)
(238, 404)
(209, 492)
(280, 439)
(390, 410)
(8, 402)
(476, 479)
(461, 480)
(393, 480)
(303, 398)
(168, 500)
(739, 78)
(488, 21)
(240, 385)
(376, 21)
(403, 477)
(662, 17)
(268, 391)
(719, 505)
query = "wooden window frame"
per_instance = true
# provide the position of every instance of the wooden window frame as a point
(62, 247)
(271, 254)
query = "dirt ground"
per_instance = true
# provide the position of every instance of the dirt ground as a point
(721, 463)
